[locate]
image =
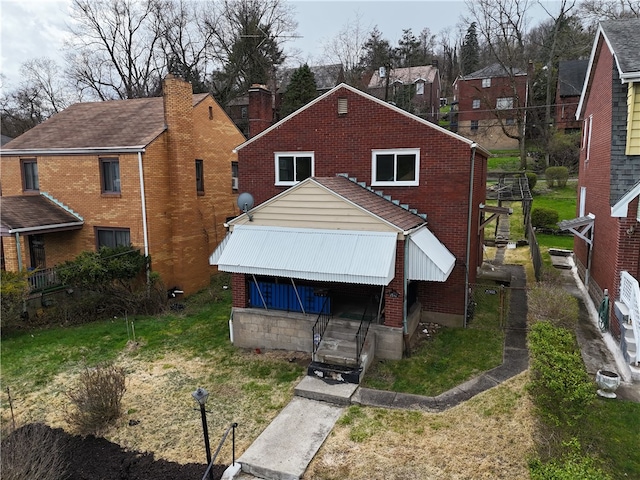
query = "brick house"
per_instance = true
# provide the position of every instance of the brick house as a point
(607, 242)
(570, 82)
(415, 89)
(488, 102)
(395, 238)
(151, 172)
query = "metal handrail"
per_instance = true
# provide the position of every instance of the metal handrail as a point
(320, 327)
(361, 337)
(232, 427)
(43, 278)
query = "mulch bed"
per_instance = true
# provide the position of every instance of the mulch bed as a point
(94, 458)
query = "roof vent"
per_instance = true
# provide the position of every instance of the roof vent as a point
(343, 106)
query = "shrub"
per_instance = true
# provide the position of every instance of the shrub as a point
(14, 290)
(532, 180)
(572, 466)
(557, 176)
(564, 150)
(560, 386)
(546, 301)
(96, 399)
(542, 217)
(32, 451)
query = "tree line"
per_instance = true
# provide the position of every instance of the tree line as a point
(121, 49)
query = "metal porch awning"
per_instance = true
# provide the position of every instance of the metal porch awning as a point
(427, 258)
(343, 256)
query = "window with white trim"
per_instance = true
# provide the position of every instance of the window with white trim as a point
(476, 103)
(398, 167)
(420, 88)
(486, 82)
(504, 103)
(586, 142)
(293, 167)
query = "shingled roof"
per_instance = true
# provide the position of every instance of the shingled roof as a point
(406, 75)
(35, 214)
(571, 77)
(366, 198)
(624, 38)
(493, 70)
(111, 124)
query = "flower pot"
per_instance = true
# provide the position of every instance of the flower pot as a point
(608, 382)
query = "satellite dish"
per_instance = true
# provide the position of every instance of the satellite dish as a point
(245, 202)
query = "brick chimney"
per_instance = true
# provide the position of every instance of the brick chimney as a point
(260, 109)
(187, 249)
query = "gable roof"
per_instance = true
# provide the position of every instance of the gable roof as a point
(111, 126)
(622, 37)
(493, 70)
(344, 86)
(571, 77)
(407, 76)
(35, 214)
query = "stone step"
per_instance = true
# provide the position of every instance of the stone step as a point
(334, 386)
(334, 373)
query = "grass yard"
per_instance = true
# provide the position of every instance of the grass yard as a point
(447, 359)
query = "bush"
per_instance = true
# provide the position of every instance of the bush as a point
(547, 301)
(543, 217)
(557, 176)
(96, 399)
(532, 180)
(32, 451)
(560, 386)
(572, 466)
(14, 290)
(564, 150)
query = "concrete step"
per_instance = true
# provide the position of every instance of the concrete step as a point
(285, 448)
(337, 390)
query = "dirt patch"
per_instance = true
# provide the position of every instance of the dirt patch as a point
(93, 458)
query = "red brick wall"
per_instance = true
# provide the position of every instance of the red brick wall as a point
(343, 144)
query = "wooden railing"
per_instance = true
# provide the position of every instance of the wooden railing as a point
(43, 279)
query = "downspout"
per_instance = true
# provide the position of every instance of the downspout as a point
(474, 145)
(19, 251)
(144, 216)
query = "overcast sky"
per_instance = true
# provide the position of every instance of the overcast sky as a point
(37, 28)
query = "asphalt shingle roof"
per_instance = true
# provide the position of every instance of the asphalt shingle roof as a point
(624, 36)
(115, 123)
(371, 201)
(493, 70)
(30, 211)
(571, 75)
(407, 75)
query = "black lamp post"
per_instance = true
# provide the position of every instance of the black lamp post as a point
(201, 396)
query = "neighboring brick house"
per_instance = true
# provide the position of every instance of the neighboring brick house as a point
(570, 82)
(326, 77)
(488, 102)
(418, 186)
(415, 89)
(152, 172)
(607, 247)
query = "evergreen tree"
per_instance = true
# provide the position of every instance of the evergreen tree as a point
(470, 51)
(377, 52)
(301, 90)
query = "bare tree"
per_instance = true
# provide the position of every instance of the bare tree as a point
(347, 48)
(41, 93)
(115, 47)
(594, 11)
(502, 24)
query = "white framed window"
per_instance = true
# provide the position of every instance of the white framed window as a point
(583, 201)
(476, 103)
(293, 167)
(420, 88)
(398, 167)
(504, 103)
(486, 82)
(586, 142)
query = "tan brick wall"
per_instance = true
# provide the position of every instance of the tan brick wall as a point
(183, 227)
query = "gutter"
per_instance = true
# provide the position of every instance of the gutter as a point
(468, 254)
(7, 152)
(46, 227)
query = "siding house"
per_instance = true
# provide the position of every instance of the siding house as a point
(607, 242)
(154, 173)
(487, 105)
(414, 89)
(366, 218)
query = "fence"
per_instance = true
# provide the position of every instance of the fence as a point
(536, 257)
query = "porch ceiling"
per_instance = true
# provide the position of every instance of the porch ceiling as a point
(31, 214)
(312, 254)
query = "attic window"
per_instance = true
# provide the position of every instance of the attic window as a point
(210, 113)
(343, 107)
